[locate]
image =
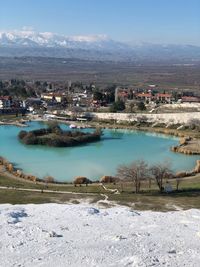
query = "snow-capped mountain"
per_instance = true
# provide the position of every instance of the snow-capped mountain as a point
(93, 47)
(51, 40)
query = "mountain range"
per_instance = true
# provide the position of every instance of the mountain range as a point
(93, 47)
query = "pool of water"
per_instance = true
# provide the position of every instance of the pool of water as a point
(92, 160)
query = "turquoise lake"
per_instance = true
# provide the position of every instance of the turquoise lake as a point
(92, 160)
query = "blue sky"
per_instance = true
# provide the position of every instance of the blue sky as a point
(155, 21)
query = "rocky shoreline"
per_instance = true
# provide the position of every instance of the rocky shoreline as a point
(188, 146)
(8, 168)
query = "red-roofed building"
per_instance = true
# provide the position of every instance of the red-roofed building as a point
(145, 96)
(123, 95)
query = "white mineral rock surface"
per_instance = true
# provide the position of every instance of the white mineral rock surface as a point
(84, 235)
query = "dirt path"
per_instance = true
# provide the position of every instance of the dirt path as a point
(115, 191)
(45, 191)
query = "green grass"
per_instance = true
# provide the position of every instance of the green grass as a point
(144, 201)
(22, 197)
(149, 199)
(159, 202)
(11, 182)
(6, 181)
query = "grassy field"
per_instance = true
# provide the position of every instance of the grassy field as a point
(149, 199)
(16, 183)
(22, 197)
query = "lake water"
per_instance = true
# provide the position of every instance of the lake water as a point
(92, 160)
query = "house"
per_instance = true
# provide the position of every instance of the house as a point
(144, 96)
(163, 97)
(122, 94)
(5, 102)
(53, 96)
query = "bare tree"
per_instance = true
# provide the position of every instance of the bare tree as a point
(135, 172)
(160, 172)
(48, 179)
(178, 181)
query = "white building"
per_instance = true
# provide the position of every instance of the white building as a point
(5, 102)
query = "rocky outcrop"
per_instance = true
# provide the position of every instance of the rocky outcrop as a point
(184, 140)
(183, 150)
(183, 174)
(188, 146)
(19, 173)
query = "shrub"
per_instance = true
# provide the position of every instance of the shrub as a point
(117, 106)
(141, 106)
(22, 134)
(30, 139)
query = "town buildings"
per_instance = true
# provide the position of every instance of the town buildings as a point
(76, 96)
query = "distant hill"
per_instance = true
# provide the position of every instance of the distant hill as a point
(94, 47)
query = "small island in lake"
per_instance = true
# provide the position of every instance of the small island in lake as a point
(56, 137)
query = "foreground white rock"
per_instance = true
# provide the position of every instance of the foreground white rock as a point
(80, 235)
